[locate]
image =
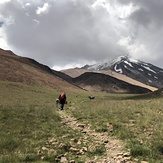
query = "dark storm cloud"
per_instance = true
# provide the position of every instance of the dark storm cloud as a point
(146, 24)
(65, 32)
(1, 23)
(151, 10)
(68, 31)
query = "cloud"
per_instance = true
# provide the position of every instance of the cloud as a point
(145, 25)
(65, 33)
(1, 23)
(43, 9)
(4, 1)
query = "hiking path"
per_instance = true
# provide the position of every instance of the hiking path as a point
(114, 148)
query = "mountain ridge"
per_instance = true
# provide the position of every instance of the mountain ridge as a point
(26, 70)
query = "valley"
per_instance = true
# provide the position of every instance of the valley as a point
(113, 127)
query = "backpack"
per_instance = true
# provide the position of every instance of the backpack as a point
(62, 95)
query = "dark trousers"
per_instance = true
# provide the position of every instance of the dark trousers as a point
(61, 106)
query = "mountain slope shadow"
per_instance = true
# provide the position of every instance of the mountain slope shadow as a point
(105, 83)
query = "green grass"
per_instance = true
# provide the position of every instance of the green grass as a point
(27, 119)
(25, 129)
(29, 122)
(31, 129)
(138, 122)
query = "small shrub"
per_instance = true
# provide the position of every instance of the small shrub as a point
(101, 128)
(31, 158)
(9, 143)
(159, 148)
(139, 150)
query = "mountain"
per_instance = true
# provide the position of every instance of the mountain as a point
(135, 69)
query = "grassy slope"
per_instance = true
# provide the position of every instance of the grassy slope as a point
(28, 119)
(24, 115)
(139, 122)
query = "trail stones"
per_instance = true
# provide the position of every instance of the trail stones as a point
(76, 141)
(84, 131)
(85, 149)
(64, 160)
(63, 146)
(60, 156)
(45, 149)
(106, 141)
(93, 148)
(81, 125)
(73, 149)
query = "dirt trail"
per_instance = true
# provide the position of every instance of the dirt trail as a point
(114, 147)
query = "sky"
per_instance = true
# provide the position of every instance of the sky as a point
(71, 33)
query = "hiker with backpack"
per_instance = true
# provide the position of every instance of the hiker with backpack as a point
(62, 100)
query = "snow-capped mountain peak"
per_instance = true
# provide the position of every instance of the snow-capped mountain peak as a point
(124, 58)
(106, 64)
(136, 69)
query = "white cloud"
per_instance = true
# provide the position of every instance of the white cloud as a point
(73, 65)
(4, 1)
(3, 42)
(44, 9)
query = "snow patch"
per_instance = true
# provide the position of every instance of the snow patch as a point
(128, 63)
(155, 77)
(133, 60)
(141, 69)
(149, 81)
(148, 68)
(118, 70)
